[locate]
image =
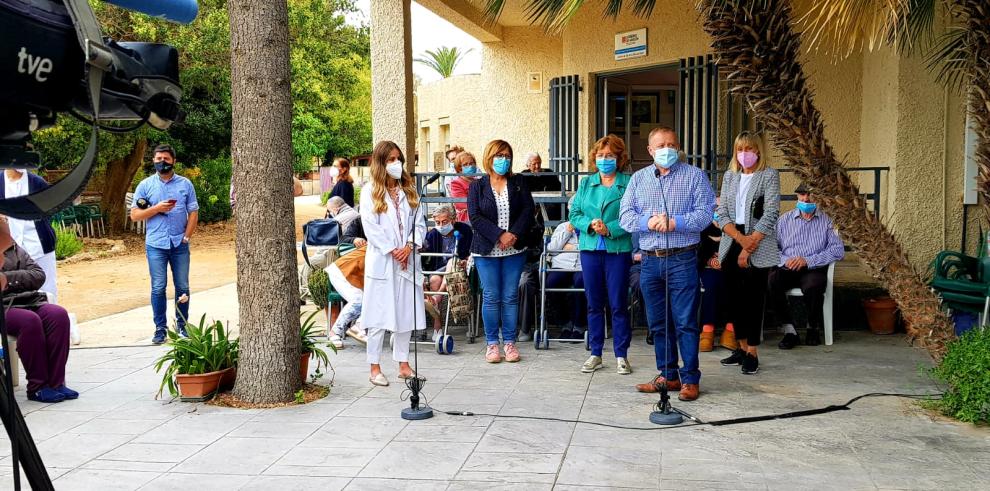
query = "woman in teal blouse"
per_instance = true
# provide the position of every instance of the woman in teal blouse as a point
(605, 250)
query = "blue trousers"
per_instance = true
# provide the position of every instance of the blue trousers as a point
(676, 277)
(500, 295)
(606, 285)
(158, 261)
(713, 300)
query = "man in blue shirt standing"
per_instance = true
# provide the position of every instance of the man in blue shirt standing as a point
(669, 204)
(168, 203)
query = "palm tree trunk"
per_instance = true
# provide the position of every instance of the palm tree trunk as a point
(975, 18)
(261, 141)
(756, 42)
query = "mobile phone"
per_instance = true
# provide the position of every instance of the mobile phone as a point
(170, 201)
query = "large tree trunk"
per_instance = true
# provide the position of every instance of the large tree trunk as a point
(756, 41)
(975, 18)
(119, 175)
(267, 285)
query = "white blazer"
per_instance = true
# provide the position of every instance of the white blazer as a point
(388, 289)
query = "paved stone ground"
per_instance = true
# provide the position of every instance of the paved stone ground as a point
(116, 436)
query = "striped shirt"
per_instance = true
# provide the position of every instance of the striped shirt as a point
(815, 240)
(691, 204)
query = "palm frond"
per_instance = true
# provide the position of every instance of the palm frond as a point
(950, 60)
(842, 27)
(444, 60)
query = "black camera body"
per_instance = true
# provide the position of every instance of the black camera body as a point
(42, 73)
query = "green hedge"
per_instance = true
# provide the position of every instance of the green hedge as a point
(67, 243)
(966, 370)
(211, 180)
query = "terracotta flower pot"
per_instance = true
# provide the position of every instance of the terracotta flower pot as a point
(881, 314)
(227, 378)
(304, 366)
(196, 388)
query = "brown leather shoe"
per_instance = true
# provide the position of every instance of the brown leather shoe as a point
(689, 392)
(728, 340)
(707, 342)
(653, 386)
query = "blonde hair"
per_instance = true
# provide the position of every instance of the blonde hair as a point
(344, 166)
(493, 148)
(463, 158)
(381, 181)
(616, 145)
(752, 139)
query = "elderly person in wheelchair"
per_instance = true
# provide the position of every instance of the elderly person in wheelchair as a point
(450, 237)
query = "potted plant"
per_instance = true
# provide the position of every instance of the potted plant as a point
(311, 348)
(194, 365)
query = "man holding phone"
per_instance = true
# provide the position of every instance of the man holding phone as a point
(168, 203)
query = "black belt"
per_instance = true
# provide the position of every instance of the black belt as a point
(671, 252)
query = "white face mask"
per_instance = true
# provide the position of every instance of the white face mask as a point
(394, 169)
(334, 172)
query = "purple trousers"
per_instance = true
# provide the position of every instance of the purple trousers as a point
(42, 343)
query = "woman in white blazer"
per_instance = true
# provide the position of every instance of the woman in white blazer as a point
(747, 214)
(394, 225)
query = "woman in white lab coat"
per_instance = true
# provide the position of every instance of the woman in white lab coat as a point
(394, 225)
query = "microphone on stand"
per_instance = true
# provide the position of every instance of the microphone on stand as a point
(415, 383)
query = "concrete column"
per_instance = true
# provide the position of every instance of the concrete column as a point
(392, 104)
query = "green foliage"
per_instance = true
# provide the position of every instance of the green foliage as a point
(308, 331)
(211, 180)
(67, 242)
(444, 60)
(300, 396)
(208, 348)
(966, 370)
(324, 198)
(319, 287)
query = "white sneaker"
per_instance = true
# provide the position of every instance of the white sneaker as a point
(593, 363)
(358, 334)
(622, 366)
(336, 341)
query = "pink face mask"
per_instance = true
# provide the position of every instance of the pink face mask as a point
(747, 159)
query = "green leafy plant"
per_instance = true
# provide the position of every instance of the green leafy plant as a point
(208, 348)
(308, 333)
(67, 242)
(319, 288)
(300, 396)
(324, 198)
(444, 60)
(966, 370)
(211, 181)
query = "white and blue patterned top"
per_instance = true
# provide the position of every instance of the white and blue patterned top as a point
(691, 204)
(165, 230)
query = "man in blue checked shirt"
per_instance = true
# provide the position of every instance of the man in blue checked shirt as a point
(669, 204)
(168, 203)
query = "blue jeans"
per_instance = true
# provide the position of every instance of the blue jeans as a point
(606, 280)
(158, 261)
(676, 276)
(500, 295)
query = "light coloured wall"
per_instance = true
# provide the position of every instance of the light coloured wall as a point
(458, 102)
(508, 111)
(392, 101)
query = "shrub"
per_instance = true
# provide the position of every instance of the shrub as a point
(324, 198)
(208, 348)
(67, 243)
(966, 370)
(211, 180)
(319, 287)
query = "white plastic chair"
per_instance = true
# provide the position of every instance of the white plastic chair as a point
(826, 307)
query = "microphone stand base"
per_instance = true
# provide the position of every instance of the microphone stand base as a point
(422, 412)
(666, 418)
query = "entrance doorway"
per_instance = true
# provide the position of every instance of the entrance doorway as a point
(632, 103)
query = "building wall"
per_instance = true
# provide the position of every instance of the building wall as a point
(458, 102)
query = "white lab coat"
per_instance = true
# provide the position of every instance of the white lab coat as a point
(393, 297)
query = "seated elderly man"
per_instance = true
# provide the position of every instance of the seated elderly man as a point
(535, 181)
(441, 240)
(341, 212)
(808, 245)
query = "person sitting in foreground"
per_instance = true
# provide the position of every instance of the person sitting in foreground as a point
(440, 240)
(808, 245)
(341, 212)
(41, 328)
(347, 277)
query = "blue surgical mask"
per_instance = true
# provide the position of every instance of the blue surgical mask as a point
(469, 169)
(502, 165)
(605, 165)
(808, 208)
(665, 157)
(445, 229)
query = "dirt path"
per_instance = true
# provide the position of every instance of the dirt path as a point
(93, 289)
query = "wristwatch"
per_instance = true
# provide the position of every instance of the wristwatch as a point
(185, 239)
